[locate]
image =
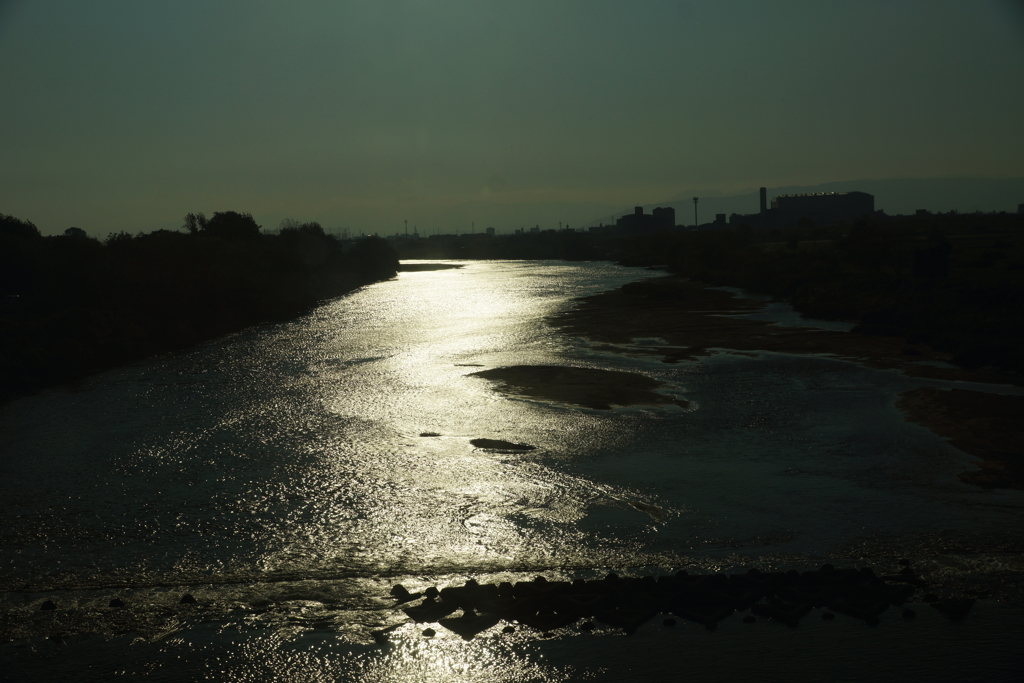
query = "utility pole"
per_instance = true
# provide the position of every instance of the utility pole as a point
(695, 222)
(406, 228)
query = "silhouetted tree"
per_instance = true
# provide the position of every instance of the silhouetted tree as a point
(374, 258)
(231, 225)
(15, 227)
(81, 305)
(194, 222)
(22, 255)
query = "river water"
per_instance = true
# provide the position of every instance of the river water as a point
(281, 476)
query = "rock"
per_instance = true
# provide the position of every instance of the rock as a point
(429, 633)
(187, 599)
(909, 613)
(430, 611)
(628, 617)
(430, 434)
(628, 602)
(48, 605)
(956, 610)
(470, 624)
(788, 614)
(866, 609)
(498, 445)
(117, 602)
(400, 593)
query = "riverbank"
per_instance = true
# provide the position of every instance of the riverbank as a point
(72, 306)
(950, 282)
(677, 319)
(985, 425)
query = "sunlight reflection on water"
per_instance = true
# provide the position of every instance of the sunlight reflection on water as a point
(287, 466)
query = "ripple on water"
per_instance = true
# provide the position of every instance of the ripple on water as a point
(284, 465)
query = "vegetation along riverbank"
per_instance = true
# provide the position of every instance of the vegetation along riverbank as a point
(925, 289)
(73, 305)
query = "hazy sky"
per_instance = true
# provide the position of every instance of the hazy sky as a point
(125, 115)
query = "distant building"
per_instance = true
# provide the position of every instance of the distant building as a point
(490, 231)
(1020, 208)
(720, 219)
(662, 218)
(824, 208)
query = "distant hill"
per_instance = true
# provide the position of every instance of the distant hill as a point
(894, 196)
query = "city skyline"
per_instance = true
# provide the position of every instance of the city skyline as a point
(364, 115)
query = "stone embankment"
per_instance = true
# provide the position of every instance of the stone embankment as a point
(628, 603)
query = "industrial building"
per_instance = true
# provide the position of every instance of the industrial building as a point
(825, 208)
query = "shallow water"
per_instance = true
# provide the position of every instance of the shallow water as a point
(279, 475)
(782, 313)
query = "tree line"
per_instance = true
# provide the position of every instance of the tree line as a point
(71, 305)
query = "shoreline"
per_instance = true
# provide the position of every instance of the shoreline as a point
(688, 318)
(90, 357)
(584, 387)
(987, 426)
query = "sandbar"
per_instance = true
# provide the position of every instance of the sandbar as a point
(420, 267)
(499, 445)
(989, 426)
(689, 318)
(586, 387)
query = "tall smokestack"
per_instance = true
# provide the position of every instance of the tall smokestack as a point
(764, 201)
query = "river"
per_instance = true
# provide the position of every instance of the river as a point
(288, 475)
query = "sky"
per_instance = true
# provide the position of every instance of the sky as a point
(460, 114)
